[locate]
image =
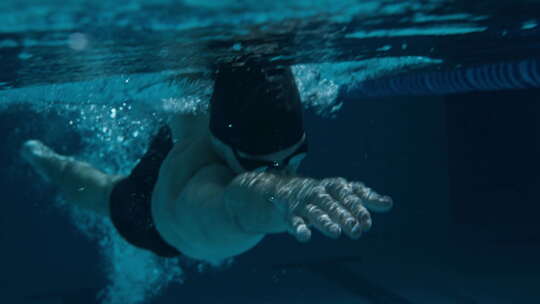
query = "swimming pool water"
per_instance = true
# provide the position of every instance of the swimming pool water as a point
(109, 69)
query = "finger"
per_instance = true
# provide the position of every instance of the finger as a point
(361, 214)
(299, 229)
(322, 221)
(337, 212)
(343, 191)
(371, 199)
(338, 187)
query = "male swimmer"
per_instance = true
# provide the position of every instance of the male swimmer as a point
(212, 185)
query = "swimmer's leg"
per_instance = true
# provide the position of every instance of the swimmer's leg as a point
(79, 182)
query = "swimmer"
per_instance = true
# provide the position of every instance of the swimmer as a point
(212, 185)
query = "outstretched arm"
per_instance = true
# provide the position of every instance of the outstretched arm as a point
(226, 215)
(332, 205)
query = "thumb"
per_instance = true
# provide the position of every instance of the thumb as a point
(299, 229)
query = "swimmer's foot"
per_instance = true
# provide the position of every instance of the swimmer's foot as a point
(47, 163)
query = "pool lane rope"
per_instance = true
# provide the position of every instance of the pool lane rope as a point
(493, 77)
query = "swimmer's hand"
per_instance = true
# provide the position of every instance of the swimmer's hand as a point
(331, 205)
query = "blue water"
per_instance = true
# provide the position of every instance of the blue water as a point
(434, 102)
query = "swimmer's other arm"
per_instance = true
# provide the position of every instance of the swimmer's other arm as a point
(233, 213)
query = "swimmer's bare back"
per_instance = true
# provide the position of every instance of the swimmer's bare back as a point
(206, 211)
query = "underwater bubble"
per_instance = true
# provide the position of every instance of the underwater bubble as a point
(25, 56)
(78, 41)
(530, 24)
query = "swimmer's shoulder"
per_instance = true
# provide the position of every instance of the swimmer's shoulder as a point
(192, 151)
(188, 127)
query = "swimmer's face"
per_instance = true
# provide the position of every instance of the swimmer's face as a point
(241, 162)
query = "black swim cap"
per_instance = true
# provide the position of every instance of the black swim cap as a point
(256, 109)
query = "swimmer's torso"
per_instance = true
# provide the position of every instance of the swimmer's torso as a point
(191, 152)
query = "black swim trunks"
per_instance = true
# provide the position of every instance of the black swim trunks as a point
(130, 201)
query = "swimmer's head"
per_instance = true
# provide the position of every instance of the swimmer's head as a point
(256, 118)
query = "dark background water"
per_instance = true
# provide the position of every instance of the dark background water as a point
(463, 171)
